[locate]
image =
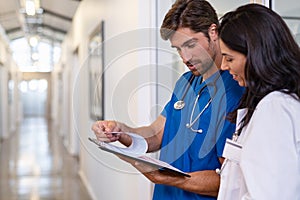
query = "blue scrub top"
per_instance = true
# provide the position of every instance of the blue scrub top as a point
(190, 151)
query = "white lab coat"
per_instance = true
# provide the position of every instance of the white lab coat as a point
(268, 163)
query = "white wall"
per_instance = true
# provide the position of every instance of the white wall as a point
(287, 8)
(9, 105)
(129, 40)
(4, 103)
(222, 8)
(4, 87)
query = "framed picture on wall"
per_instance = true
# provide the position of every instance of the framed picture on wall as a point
(96, 72)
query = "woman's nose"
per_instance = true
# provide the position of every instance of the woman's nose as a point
(224, 65)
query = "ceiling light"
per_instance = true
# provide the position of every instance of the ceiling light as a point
(30, 8)
(35, 56)
(33, 41)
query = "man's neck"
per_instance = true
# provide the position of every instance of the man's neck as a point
(209, 73)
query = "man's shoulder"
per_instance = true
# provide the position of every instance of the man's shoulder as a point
(229, 81)
(184, 78)
(186, 75)
(231, 86)
(227, 78)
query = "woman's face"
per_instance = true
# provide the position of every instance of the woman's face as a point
(234, 62)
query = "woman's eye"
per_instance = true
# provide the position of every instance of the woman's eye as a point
(229, 59)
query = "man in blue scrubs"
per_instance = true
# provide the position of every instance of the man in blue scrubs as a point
(190, 137)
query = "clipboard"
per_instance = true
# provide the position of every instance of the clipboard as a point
(143, 158)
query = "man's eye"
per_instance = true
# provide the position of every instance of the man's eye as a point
(191, 45)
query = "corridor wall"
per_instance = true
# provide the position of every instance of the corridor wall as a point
(129, 64)
(10, 111)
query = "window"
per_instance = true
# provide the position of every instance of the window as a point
(40, 58)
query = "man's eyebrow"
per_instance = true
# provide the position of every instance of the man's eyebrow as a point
(186, 43)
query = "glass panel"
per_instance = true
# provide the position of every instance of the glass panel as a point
(40, 58)
(34, 97)
(224, 6)
(290, 12)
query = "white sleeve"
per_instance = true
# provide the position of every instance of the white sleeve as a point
(270, 155)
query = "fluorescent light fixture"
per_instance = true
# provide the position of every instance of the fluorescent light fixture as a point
(35, 56)
(30, 7)
(33, 41)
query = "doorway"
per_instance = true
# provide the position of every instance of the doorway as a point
(35, 93)
(34, 97)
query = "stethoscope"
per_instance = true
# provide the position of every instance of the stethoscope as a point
(178, 105)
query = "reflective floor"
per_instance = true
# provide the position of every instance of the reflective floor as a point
(34, 165)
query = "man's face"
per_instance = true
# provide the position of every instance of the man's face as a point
(195, 50)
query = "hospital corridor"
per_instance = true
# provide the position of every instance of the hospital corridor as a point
(65, 64)
(34, 164)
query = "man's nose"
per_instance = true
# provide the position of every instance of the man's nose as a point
(186, 56)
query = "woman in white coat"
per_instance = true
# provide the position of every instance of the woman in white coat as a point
(263, 158)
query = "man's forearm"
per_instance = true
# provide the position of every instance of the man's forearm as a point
(201, 182)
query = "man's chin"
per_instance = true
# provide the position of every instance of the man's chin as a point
(196, 73)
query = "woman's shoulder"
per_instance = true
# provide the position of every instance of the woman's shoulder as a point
(280, 98)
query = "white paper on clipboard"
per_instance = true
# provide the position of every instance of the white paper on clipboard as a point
(137, 151)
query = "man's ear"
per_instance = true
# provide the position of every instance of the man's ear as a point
(213, 32)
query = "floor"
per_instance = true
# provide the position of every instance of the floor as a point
(34, 165)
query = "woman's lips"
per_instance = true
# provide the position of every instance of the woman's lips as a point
(235, 77)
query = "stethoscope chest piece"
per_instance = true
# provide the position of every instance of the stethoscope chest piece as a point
(178, 105)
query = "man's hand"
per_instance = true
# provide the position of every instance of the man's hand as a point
(155, 175)
(106, 131)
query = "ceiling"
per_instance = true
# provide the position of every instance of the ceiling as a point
(52, 23)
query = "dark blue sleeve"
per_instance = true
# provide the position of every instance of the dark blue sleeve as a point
(166, 109)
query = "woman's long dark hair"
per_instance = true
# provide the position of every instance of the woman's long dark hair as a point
(273, 56)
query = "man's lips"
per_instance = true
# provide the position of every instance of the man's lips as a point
(191, 67)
